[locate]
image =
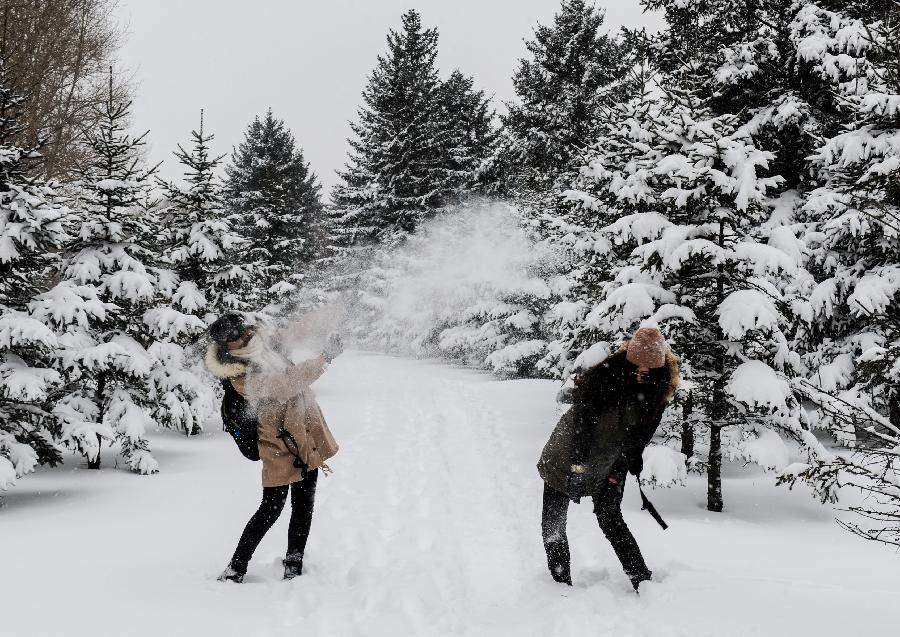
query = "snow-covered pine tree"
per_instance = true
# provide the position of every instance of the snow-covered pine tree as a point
(31, 231)
(199, 246)
(471, 137)
(710, 251)
(109, 262)
(750, 67)
(201, 243)
(397, 173)
(574, 73)
(272, 199)
(853, 234)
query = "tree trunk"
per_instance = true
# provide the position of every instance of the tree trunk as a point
(95, 463)
(718, 410)
(101, 388)
(714, 470)
(687, 429)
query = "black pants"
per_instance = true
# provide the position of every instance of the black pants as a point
(303, 495)
(608, 509)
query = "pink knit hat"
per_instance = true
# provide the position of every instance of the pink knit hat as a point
(647, 348)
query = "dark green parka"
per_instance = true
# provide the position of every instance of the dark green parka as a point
(611, 420)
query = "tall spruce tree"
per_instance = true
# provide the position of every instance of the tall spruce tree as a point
(398, 170)
(201, 245)
(471, 135)
(32, 228)
(273, 201)
(574, 74)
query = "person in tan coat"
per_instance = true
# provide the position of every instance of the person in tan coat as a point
(293, 439)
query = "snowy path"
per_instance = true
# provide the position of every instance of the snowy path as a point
(429, 526)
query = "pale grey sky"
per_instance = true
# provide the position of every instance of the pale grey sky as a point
(308, 60)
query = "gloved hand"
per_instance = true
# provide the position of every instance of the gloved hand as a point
(333, 347)
(612, 488)
(576, 485)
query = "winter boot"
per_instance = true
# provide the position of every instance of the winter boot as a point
(230, 574)
(561, 572)
(293, 565)
(637, 579)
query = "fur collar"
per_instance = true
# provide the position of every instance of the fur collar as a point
(221, 365)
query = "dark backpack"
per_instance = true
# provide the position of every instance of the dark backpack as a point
(238, 422)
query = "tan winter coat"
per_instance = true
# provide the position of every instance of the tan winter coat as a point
(282, 399)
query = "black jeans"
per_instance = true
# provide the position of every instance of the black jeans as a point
(303, 495)
(608, 509)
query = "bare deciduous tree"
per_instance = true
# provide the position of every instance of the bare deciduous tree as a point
(59, 53)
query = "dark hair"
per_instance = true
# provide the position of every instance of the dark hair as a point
(228, 327)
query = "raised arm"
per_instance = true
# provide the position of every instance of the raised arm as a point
(284, 384)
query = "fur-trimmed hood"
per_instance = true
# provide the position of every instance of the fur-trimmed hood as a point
(221, 365)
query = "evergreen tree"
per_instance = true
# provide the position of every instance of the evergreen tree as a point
(272, 198)
(573, 75)
(31, 230)
(852, 340)
(471, 135)
(742, 59)
(398, 171)
(110, 263)
(696, 237)
(202, 246)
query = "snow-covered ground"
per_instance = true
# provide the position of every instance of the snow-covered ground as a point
(430, 525)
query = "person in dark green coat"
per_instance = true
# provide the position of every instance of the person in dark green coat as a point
(617, 406)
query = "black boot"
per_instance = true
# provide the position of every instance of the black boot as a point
(637, 579)
(293, 565)
(231, 574)
(560, 571)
